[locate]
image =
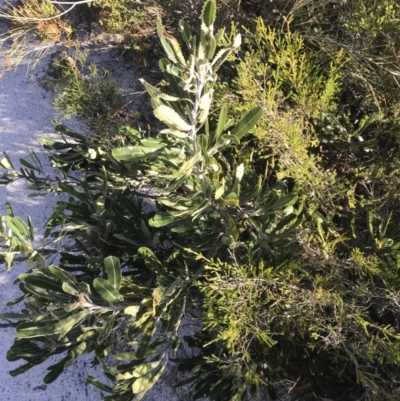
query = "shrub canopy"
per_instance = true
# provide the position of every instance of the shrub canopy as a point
(260, 204)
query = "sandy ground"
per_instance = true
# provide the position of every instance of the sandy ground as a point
(25, 115)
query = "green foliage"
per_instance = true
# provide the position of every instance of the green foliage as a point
(278, 72)
(270, 215)
(94, 96)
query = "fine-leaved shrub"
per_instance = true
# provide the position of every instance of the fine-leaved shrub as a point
(268, 216)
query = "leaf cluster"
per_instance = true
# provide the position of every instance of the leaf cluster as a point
(264, 209)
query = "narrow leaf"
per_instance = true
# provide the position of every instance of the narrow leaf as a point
(21, 369)
(247, 123)
(107, 328)
(64, 276)
(9, 210)
(167, 48)
(171, 118)
(69, 289)
(209, 12)
(221, 123)
(113, 269)
(106, 290)
(155, 92)
(174, 132)
(145, 383)
(219, 192)
(55, 371)
(145, 341)
(205, 103)
(190, 163)
(161, 220)
(66, 325)
(20, 229)
(6, 162)
(145, 368)
(220, 58)
(97, 383)
(134, 152)
(36, 329)
(131, 310)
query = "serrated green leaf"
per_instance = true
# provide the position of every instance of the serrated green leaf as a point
(36, 329)
(23, 349)
(155, 92)
(220, 58)
(16, 316)
(209, 13)
(64, 276)
(247, 122)
(287, 222)
(176, 47)
(149, 255)
(106, 290)
(113, 269)
(154, 143)
(135, 152)
(285, 201)
(69, 289)
(16, 300)
(88, 335)
(231, 225)
(66, 325)
(58, 368)
(211, 46)
(62, 312)
(171, 118)
(173, 80)
(187, 166)
(174, 132)
(126, 239)
(42, 282)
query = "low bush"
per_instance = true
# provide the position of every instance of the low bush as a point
(264, 210)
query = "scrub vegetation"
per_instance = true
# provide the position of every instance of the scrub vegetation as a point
(254, 199)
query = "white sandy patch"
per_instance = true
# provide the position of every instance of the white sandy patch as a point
(25, 116)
